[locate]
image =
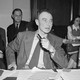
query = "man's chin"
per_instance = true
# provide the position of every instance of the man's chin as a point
(46, 32)
(18, 21)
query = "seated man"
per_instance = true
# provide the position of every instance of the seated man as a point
(18, 25)
(40, 48)
(3, 36)
(2, 48)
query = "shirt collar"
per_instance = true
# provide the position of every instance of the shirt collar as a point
(35, 37)
(75, 28)
(17, 24)
(37, 32)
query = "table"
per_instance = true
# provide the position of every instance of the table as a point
(73, 74)
(34, 74)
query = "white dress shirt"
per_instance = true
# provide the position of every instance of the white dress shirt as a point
(40, 62)
(75, 27)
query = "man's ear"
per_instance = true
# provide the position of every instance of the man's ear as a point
(37, 22)
(12, 16)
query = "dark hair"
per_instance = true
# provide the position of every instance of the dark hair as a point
(44, 10)
(72, 22)
(17, 9)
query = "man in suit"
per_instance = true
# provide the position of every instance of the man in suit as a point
(3, 64)
(2, 49)
(18, 24)
(3, 35)
(41, 48)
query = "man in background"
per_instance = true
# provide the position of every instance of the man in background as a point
(18, 24)
(2, 49)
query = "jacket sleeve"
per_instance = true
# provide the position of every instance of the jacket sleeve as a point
(59, 57)
(2, 46)
(12, 47)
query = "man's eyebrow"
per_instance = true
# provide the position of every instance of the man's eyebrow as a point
(44, 18)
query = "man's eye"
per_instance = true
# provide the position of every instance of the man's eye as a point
(44, 19)
(17, 15)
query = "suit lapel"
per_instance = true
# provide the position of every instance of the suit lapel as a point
(51, 39)
(20, 26)
(28, 43)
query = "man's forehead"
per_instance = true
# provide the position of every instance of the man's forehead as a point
(17, 12)
(45, 15)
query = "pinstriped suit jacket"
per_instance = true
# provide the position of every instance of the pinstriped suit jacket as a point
(22, 44)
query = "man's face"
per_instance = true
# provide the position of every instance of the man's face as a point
(45, 22)
(17, 16)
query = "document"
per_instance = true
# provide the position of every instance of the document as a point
(6, 74)
(24, 74)
(37, 74)
(74, 74)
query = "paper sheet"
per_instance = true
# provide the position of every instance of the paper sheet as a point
(24, 74)
(7, 73)
(74, 74)
(36, 74)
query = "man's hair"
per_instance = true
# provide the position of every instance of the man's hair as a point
(44, 10)
(17, 9)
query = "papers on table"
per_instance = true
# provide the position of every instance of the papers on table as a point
(36, 74)
(74, 74)
(76, 44)
(41, 74)
(7, 73)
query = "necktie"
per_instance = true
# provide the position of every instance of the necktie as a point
(46, 57)
(35, 57)
(17, 28)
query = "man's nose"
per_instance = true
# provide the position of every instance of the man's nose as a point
(49, 23)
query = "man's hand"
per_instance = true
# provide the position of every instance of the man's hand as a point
(12, 66)
(46, 45)
(65, 41)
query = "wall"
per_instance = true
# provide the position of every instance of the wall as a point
(61, 11)
(6, 8)
(25, 6)
(79, 7)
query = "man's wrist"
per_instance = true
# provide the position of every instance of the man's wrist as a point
(13, 64)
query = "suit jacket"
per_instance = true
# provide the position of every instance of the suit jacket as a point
(22, 44)
(3, 36)
(12, 32)
(2, 48)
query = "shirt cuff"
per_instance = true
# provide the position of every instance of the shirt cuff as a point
(13, 64)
